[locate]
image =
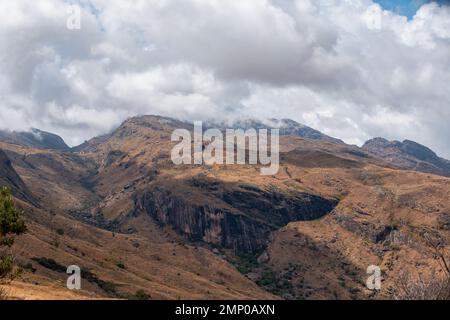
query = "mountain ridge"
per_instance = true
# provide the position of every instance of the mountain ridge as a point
(34, 138)
(408, 155)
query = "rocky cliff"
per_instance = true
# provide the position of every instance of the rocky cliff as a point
(10, 178)
(239, 217)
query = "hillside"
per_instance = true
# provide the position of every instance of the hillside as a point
(119, 208)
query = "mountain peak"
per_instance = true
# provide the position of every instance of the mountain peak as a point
(419, 151)
(408, 155)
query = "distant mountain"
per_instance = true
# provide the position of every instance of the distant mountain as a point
(287, 127)
(34, 138)
(408, 155)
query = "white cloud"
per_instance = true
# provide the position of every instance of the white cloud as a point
(345, 67)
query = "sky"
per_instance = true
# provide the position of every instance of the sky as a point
(354, 69)
(407, 8)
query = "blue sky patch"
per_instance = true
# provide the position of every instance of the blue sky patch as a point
(406, 8)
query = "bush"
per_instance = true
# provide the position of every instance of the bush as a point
(10, 220)
(50, 264)
(6, 265)
(11, 224)
(140, 295)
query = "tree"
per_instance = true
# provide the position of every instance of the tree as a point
(434, 287)
(11, 224)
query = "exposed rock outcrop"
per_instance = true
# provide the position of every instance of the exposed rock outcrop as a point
(237, 217)
(10, 178)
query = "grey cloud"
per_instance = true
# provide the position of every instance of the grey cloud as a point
(318, 62)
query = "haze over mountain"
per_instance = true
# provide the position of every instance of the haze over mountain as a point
(286, 127)
(34, 138)
(406, 155)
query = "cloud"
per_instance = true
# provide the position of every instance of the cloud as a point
(346, 67)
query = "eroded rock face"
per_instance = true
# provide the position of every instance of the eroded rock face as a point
(10, 178)
(235, 217)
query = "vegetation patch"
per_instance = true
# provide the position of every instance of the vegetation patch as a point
(107, 286)
(50, 264)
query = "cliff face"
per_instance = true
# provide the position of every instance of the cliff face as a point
(204, 223)
(10, 178)
(235, 217)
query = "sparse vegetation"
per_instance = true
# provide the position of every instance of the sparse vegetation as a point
(107, 286)
(50, 264)
(379, 220)
(28, 267)
(246, 263)
(434, 287)
(278, 284)
(139, 295)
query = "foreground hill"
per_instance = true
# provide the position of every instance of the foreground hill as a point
(119, 208)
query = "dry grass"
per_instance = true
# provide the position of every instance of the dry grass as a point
(323, 257)
(4, 293)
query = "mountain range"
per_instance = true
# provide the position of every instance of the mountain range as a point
(138, 225)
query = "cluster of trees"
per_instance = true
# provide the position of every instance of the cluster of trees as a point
(11, 224)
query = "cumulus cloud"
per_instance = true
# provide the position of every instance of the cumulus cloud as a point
(346, 67)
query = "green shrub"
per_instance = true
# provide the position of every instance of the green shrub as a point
(6, 265)
(10, 220)
(11, 224)
(140, 295)
(50, 264)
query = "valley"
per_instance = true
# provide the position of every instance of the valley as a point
(141, 227)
